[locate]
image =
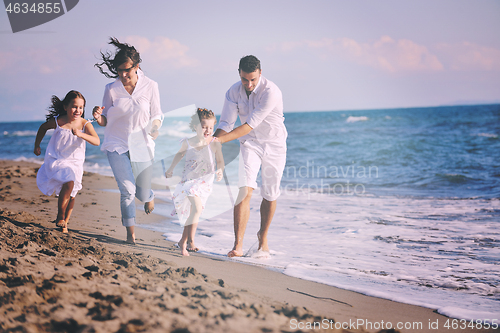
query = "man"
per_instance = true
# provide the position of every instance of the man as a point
(259, 104)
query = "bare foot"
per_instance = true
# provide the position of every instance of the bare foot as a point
(149, 207)
(130, 237)
(234, 253)
(262, 243)
(191, 247)
(63, 225)
(183, 246)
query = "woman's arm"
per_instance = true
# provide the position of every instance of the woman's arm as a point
(49, 124)
(154, 129)
(98, 116)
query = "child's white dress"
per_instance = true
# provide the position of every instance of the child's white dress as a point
(63, 162)
(197, 180)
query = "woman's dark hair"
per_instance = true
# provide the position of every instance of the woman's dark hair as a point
(56, 109)
(124, 53)
(249, 64)
(199, 116)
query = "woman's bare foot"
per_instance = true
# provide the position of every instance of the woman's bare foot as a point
(63, 225)
(130, 235)
(191, 247)
(183, 246)
(149, 207)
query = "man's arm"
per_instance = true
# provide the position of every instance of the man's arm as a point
(236, 133)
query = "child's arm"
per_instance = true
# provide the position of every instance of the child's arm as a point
(180, 154)
(49, 124)
(219, 158)
(89, 135)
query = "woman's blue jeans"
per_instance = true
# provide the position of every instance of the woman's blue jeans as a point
(130, 186)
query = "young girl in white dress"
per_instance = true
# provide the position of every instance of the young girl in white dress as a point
(192, 192)
(62, 168)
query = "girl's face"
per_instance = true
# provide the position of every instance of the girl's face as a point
(127, 72)
(206, 127)
(74, 109)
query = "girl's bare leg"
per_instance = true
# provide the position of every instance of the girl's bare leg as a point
(62, 205)
(191, 225)
(69, 209)
(131, 235)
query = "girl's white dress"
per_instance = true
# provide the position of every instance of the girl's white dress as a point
(197, 180)
(63, 162)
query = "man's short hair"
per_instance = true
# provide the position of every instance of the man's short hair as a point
(249, 64)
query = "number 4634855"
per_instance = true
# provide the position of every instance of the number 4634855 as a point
(473, 324)
(36, 8)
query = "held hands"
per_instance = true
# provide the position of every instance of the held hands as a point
(37, 151)
(169, 174)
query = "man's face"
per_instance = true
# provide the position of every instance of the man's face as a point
(250, 80)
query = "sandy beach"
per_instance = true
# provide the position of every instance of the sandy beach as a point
(90, 280)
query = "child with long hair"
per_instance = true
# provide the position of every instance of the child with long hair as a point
(62, 168)
(192, 192)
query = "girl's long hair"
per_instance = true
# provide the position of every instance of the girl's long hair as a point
(56, 108)
(124, 53)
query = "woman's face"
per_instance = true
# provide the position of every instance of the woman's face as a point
(127, 72)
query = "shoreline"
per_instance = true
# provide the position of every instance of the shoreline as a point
(277, 299)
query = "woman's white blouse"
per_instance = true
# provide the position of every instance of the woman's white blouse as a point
(130, 116)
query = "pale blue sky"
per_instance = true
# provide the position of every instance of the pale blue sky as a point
(323, 54)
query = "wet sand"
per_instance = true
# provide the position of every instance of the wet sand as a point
(90, 280)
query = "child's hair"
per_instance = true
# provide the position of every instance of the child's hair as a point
(124, 53)
(57, 107)
(199, 116)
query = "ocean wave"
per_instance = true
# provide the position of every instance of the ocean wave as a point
(352, 119)
(488, 135)
(19, 133)
(454, 178)
(177, 133)
(37, 160)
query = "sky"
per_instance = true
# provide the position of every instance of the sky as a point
(325, 55)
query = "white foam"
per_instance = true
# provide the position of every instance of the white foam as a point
(427, 252)
(352, 119)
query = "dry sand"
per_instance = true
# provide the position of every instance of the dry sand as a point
(90, 280)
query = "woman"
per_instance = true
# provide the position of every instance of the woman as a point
(132, 115)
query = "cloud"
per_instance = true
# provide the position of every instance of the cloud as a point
(163, 52)
(32, 60)
(467, 56)
(385, 54)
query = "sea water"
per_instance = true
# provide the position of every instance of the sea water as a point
(402, 204)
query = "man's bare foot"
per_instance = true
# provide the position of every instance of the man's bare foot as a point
(191, 247)
(262, 243)
(234, 253)
(149, 207)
